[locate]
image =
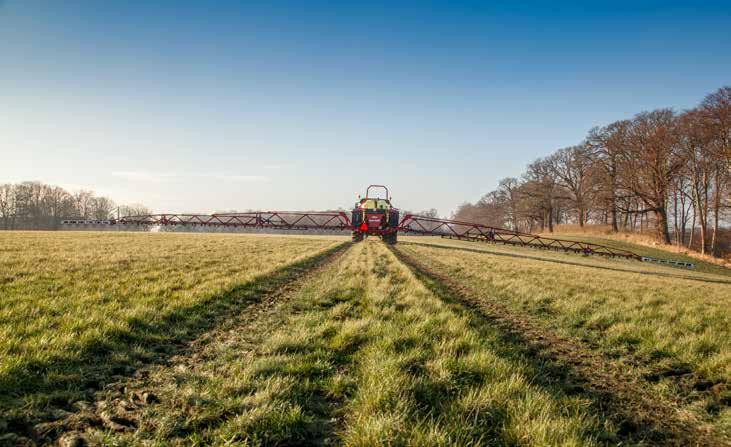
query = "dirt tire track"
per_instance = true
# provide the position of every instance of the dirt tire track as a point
(118, 405)
(624, 399)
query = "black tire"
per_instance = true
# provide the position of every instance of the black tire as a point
(393, 216)
(390, 238)
(357, 236)
(356, 217)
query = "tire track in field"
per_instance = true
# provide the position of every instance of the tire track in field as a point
(119, 404)
(641, 417)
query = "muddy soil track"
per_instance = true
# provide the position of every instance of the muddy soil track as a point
(642, 417)
(117, 405)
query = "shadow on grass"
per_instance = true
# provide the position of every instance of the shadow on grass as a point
(312, 368)
(633, 423)
(312, 365)
(578, 264)
(30, 388)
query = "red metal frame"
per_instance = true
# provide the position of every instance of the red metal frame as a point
(483, 233)
(284, 220)
(411, 224)
(339, 221)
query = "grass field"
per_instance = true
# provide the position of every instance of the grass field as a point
(667, 326)
(78, 308)
(190, 339)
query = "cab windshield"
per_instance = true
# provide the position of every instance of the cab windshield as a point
(375, 204)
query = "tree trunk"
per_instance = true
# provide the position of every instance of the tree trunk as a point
(613, 199)
(661, 225)
(581, 217)
(699, 210)
(615, 228)
(683, 219)
(676, 227)
(716, 208)
(550, 220)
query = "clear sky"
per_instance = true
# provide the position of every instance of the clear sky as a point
(204, 106)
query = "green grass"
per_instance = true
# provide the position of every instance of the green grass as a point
(365, 354)
(77, 308)
(667, 326)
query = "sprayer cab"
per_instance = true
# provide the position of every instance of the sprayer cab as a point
(375, 216)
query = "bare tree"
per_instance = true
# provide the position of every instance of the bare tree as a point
(83, 201)
(487, 211)
(716, 111)
(682, 207)
(542, 191)
(37, 206)
(607, 143)
(134, 210)
(432, 212)
(58, 204)
(101, 207)
(572, 167)
(654, 170)
(8, 210)
(648, 163)
(508, 194)
(698, 166)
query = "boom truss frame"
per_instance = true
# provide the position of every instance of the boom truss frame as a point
(452, 229)
(284, 220)
(409, 224)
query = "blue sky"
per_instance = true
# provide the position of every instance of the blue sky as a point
(204, 106)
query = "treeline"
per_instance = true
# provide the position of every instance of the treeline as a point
(37, 206)
(662, 170)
